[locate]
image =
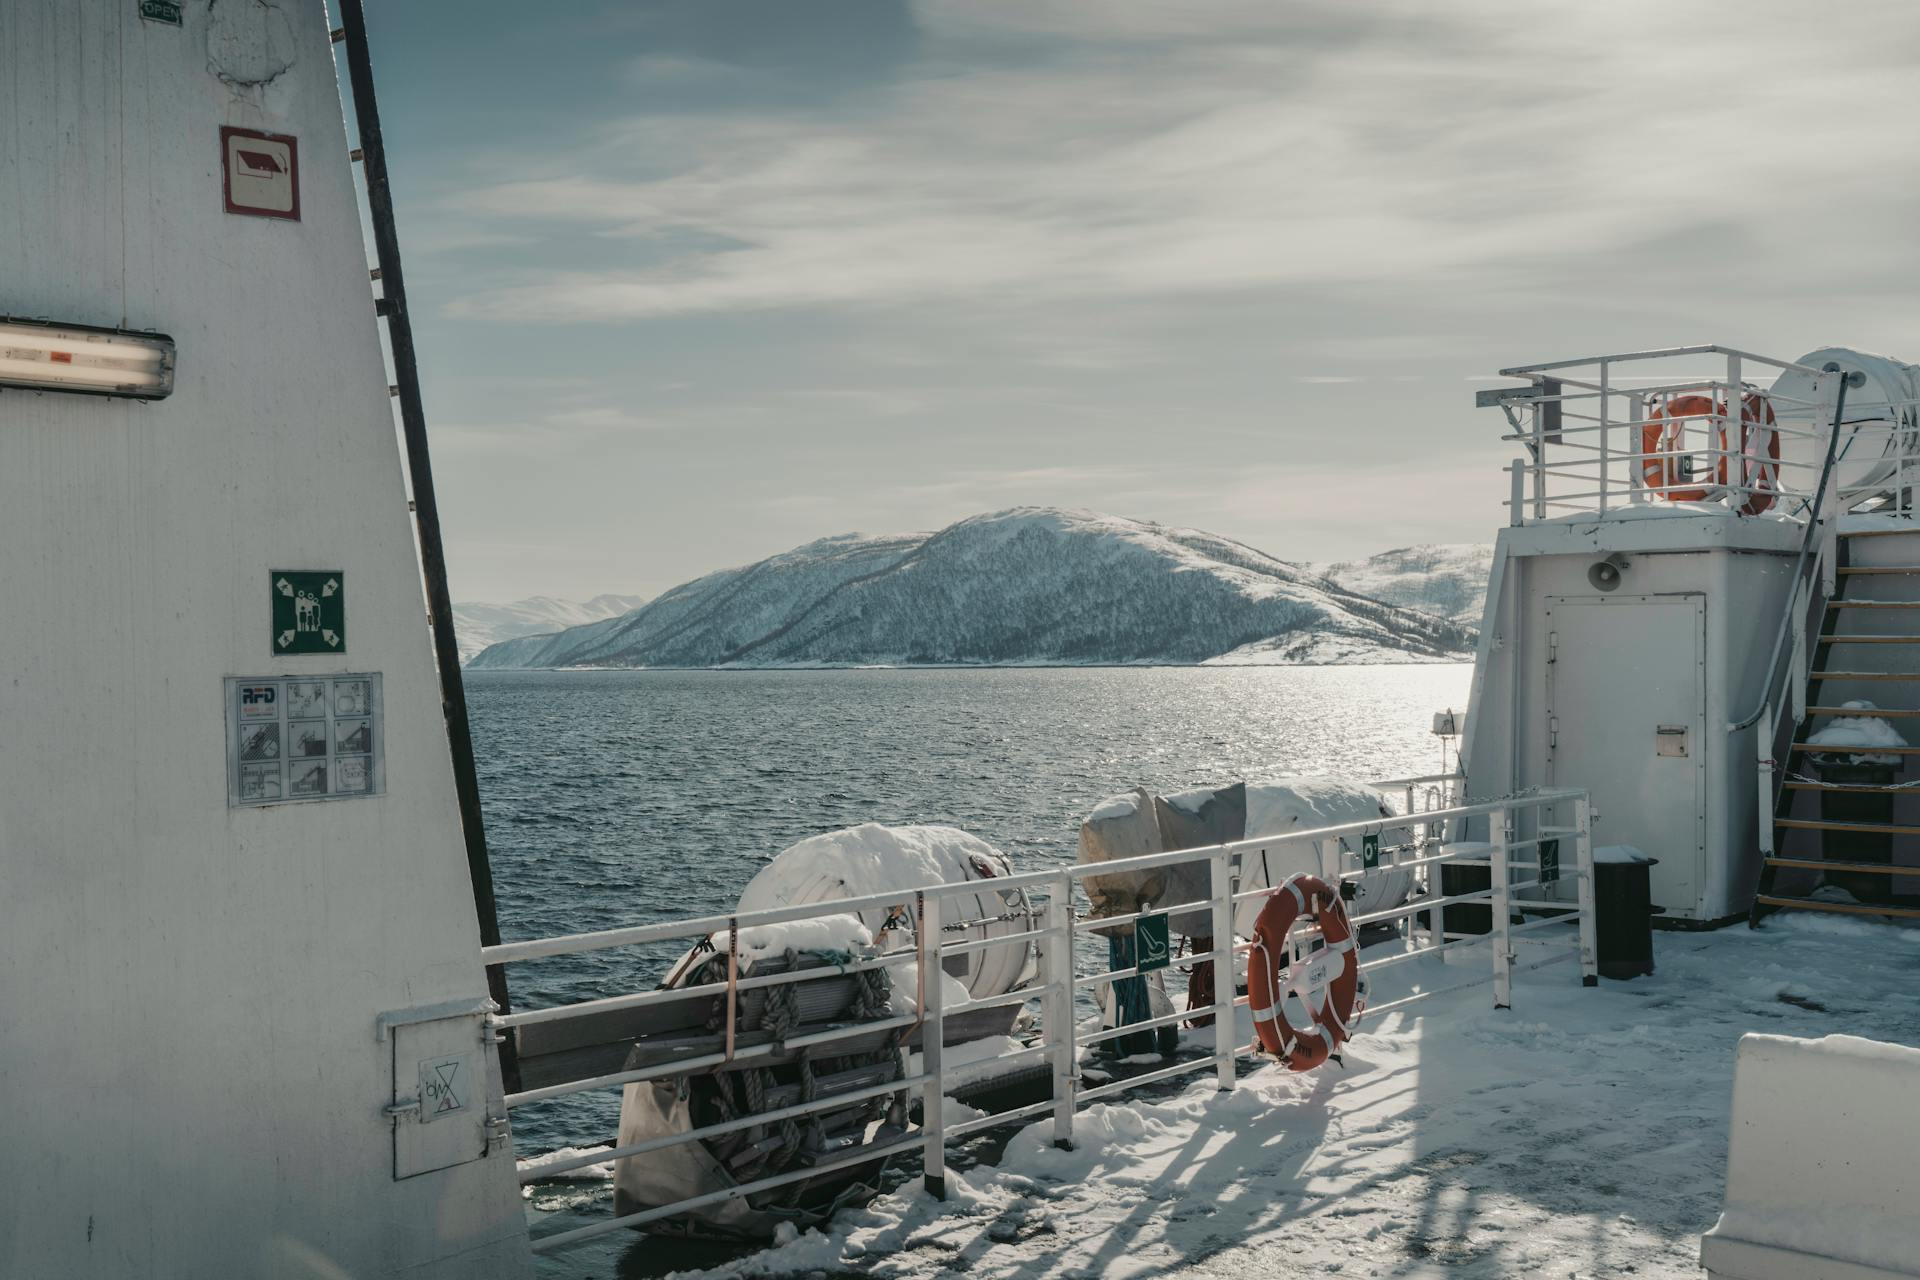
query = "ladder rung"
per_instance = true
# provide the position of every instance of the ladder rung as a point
(1815, 864)
(1851, 908)
(1868, 640)
(1845, 787)
(1820, 824)
(1864, 675)
(1873, 604)
(1876, 713)
(1856, 751)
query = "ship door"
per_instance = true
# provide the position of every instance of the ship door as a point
(1626, 719)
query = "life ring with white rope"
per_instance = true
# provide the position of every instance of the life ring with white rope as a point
(1304, 1048)
(1759, 453)
(1663, 440)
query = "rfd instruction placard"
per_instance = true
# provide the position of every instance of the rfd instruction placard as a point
(304, 738)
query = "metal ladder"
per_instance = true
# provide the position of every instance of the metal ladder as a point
(1847, 607)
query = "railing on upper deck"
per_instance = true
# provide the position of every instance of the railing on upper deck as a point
(1522, 870)
(1606, 432)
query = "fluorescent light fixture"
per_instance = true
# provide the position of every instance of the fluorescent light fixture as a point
(41, 356)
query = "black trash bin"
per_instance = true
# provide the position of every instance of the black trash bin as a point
(1623, 911)
(1467, 917)
(1857, 806)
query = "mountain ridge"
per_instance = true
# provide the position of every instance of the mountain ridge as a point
(478, 624)
(1026, 586)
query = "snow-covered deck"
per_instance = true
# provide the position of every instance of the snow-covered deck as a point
(1581, 1133)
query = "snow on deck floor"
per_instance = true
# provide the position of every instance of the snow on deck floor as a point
(1581, 1133)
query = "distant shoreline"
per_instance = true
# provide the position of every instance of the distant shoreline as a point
(1465, 660)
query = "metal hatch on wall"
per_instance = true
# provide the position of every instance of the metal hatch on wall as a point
(1626, 718)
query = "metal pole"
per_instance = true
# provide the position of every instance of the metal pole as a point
(1060, 1029)
(1436, 890)
(1636, 480)
(1732, 437)
(1225, 1033)
(1606, 458)
(1516, 515)
(1539, 465)
(426, 510)
(1502, 944)
(1583, 865)
(933, 1096)
(1763, 749)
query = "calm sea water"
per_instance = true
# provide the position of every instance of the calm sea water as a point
(617, 798)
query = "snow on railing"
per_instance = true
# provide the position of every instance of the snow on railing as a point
(1515, 865)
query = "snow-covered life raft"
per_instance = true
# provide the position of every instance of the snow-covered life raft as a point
(1138, 822)
(856, 862)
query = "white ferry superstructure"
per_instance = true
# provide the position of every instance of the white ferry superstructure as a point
(257, 1015)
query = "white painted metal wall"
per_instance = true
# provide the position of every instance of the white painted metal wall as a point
(188, 1048)
(1737, 568)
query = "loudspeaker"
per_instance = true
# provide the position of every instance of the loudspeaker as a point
(1605, 574)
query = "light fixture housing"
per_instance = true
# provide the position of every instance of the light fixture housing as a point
(39, 355)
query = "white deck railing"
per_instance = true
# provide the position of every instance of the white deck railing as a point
(1507, 854)
(1606, 432)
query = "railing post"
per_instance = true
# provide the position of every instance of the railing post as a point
(1829, 554)
(1516, 513)
(1539, 463)
(1731, 436)
(1583, 868)
(1437, 915)
(1798, 600)
(1636, 417)
(933, 1095)
(1226, 1033)
(1765, 734)
(1060, 1028)
(1498, 828)
(1606, 456)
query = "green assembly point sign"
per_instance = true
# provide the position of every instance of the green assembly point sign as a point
(1549, 861)
(309, 612)
(1151, 949)
(1369, 852)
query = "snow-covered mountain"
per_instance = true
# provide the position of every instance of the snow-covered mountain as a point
(1448, 580)
(1032, 585)
(479, 625)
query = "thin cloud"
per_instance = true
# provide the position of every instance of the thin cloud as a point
(1218, 163)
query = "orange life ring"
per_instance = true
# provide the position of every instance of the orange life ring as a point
(1661, 437)
(1664, 433)
(1303, 1048)
(1759, 453)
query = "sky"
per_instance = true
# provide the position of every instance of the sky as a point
(696, 281)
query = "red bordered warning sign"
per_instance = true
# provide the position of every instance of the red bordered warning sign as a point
(261, 172)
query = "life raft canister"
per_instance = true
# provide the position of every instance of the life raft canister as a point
(1303, 1048)
(1663, 436)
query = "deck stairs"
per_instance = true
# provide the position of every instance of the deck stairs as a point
(1845, 841)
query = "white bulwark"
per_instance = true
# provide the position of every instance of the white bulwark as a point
(237, 1037)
